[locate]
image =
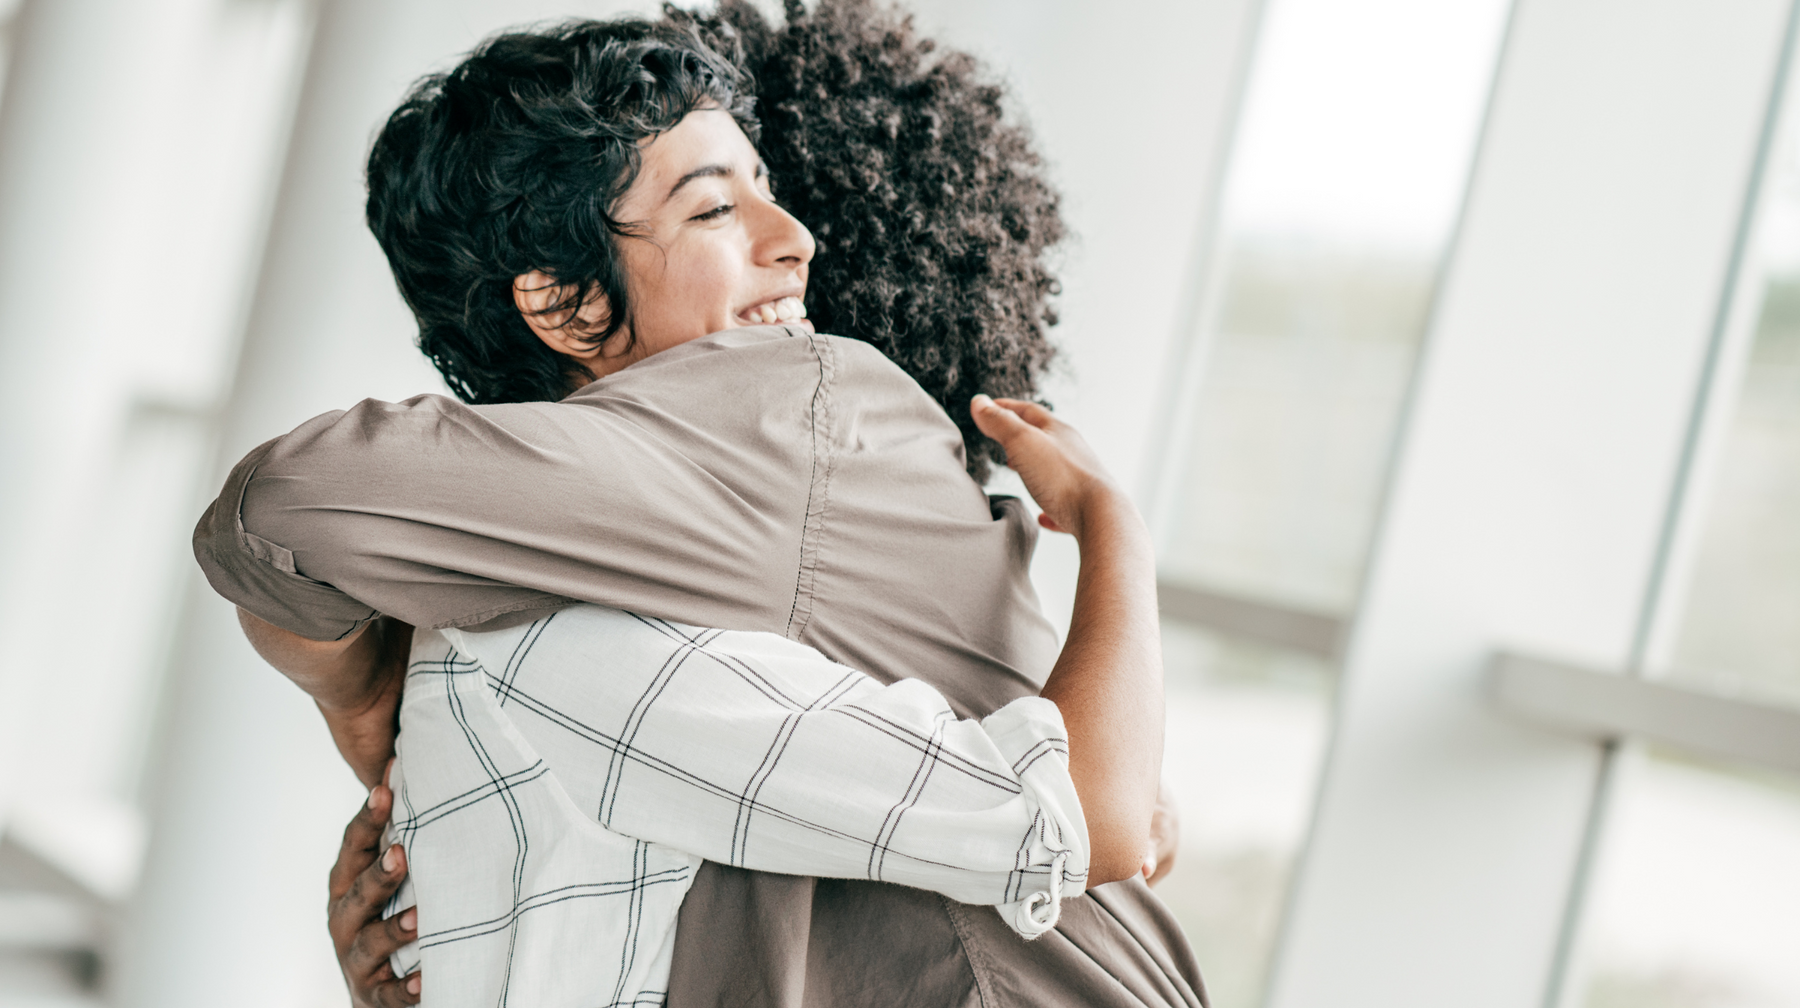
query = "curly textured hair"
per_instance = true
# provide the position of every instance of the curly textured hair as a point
(931, 212)
(512, 162)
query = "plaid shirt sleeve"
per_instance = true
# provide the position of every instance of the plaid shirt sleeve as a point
(752, 750)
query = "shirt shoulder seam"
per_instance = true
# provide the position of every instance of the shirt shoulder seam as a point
(823, 418)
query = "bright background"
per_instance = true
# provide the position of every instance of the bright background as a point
(1422, 329)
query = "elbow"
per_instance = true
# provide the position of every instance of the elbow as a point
(1118, 856)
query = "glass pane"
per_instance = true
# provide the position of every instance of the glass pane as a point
(1304, 383)
(1350, 161)
(1247, 728)
(1697, 894)
(1740, 633)
(1697, 902)
(1357, 130)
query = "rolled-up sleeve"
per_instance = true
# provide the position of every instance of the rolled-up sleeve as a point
(752, 750)
(259, 575)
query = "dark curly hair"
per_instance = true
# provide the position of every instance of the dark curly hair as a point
(512, 162)
(930, 209)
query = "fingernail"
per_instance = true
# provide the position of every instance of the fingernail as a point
(409, 921)
(391, 860)
(983, 401)
(412, 984)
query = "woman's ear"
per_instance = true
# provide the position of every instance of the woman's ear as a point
(537, 293)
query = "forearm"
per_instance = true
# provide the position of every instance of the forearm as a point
(338, 674)
(356, 683)
(756, 751)
(1108, 685)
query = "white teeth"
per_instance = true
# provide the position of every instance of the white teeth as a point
(786, 309)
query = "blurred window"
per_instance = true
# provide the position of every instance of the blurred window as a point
(1348, 168)
(1696, 900)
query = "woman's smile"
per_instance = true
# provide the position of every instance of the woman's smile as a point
(787, 308)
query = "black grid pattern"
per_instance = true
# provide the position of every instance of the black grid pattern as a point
(560, 782)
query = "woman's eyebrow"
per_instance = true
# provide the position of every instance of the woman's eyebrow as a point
(704, 171)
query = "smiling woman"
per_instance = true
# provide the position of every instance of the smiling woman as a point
(707, 250)
(468, 194)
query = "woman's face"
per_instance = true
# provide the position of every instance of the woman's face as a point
(716, 252)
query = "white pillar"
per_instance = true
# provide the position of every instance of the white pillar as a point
(72, 235)
(132, 156)
(1528, 507)
(250, 796)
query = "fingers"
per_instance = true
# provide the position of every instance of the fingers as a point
(996, 421)
(352, 914)
(389, 992)
(372, 889)
(366, 961)
(362, 840)
(1008, 415)
(1032, 413)
(409, 990)
(362, 881)
(1020, 427)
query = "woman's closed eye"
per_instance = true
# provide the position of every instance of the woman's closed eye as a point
(715, 213)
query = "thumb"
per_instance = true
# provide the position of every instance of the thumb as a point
(995, 421)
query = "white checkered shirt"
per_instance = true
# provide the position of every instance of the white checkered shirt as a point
(559, 784)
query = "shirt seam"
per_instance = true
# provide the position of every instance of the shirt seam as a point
(822, 417)
(535, 602)
(971, 954)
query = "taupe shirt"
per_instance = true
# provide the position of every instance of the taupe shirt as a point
(756, 479)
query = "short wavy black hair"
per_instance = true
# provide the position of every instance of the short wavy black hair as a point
(512, 162)
(931, 209)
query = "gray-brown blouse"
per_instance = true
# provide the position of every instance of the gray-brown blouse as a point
(756, 479)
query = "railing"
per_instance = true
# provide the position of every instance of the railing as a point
(1590, 703)
(1296, 629)
(1607, 706)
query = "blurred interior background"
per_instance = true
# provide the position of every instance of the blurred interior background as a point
(1451, 346)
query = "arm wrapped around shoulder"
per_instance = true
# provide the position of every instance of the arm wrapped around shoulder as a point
(752, 750)
(442, 514)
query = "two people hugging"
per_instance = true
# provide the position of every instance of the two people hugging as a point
(718, 679)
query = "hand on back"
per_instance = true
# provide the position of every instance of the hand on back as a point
(1059, 469)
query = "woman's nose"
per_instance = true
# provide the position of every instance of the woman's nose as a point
(781, 239)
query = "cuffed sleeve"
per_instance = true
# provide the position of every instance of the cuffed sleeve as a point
(1030, 732)
(259, 575)
(752, 750)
